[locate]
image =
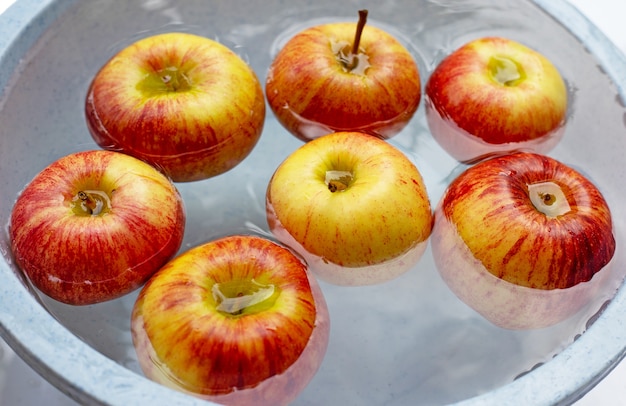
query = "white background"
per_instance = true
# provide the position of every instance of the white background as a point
(608, 15)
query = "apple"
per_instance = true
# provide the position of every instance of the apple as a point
(95, 225)
(182, 102)
(237, 320)
(523, 239)
(343, 77)
(353, 206)
(494, 95)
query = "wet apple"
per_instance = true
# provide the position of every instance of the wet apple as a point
(238, 320)
(523, 239)
(343, 77)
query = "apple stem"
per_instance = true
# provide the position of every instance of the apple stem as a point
(334, 186)
(243, 298)
(91, 203)
(338, 181)
(549, 199)
(172, 81)
(88, 202)
(505, 71)
(357, 39)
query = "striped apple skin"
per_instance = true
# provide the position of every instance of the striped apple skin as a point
(201, 129)
(312, 93)
(520, 262)
(490, 207)
(267, 357)
(85, 259)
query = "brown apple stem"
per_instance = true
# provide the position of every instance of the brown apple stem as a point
(89, 203)
(338, 181)
(335, 185)
(549, 199)
(357, 38)
(170, 82)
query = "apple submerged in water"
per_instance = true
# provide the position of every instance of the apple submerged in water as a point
(492, 96)
(184, 103)
(238, 320)
(343, 77)
(95, 225)
(523, 239)
(353, 206)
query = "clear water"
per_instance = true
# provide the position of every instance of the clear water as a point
(403, 342)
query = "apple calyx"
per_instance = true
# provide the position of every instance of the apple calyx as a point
(91, 203)
(338, 181)
(548, 198)
(241, 297)
(166, 80)
(506, 71)
(350, 57)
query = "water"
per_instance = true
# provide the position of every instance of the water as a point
(407, 341)
(469, 149)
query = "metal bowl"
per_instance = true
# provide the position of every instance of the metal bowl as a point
(407, 341)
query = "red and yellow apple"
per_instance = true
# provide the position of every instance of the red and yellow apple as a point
(184, 103)
(237, 320)
(353, 206)
(523, 239)
(494, 95)
(95, 225)
(343, 77)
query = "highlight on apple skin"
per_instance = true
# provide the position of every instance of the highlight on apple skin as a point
(95, 225)
(184, 103)
(524, 240)
(319, 83)
(353, 206)
(238, 320)
(494, 95)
